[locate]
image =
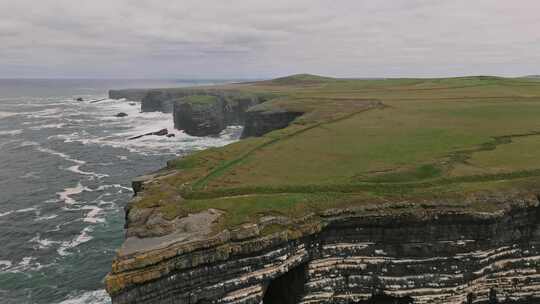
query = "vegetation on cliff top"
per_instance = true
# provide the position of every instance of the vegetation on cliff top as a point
(365, 140)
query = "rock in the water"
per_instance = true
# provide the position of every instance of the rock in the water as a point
(170, 135)
(121, 114)
(79, 99)
(161, 132)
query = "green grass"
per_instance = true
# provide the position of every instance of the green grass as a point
(384, 140)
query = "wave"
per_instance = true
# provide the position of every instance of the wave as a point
(30, 209)
(5, 264)
(45, 217)
(11, 132)
(92, 216)
(137, 123)
(75, 168)
(26, 264)
(83, 237)
(48, 126)
(41, 243)
(65, 195)
(89, 297)
(4, 114)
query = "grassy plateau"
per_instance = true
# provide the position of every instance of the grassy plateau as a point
(364, 141)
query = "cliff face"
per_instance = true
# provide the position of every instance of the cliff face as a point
(258, 123)
(228, 107)
(384, 191)
(345, 257)
(200, 119)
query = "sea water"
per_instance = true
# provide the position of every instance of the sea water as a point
(65, 173)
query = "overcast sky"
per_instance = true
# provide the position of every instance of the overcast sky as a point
(266, 38)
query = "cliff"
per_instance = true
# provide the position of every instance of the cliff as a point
(348, 191)
(205, 111)
(344, 257)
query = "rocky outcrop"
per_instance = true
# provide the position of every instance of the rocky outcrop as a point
(228, 107)
(413, 253)
(200, 118)
(209, 114)
(157, 101)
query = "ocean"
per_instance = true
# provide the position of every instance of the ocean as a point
(65, 176)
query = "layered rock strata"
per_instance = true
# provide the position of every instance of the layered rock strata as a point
(414, 253)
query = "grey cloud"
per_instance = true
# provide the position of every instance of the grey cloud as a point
(256, 38)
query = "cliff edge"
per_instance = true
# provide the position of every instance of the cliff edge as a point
(344, 191)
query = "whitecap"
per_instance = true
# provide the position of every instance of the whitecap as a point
(5, 264)
(30, 175)
(41, 243)
(6, 213)
(11, 132)
(45, 217)
(89, 297)
(26, 210)
(48, 126)
(7, 114)
(76, 169)
(60, 154)
(104, 187)
(92, 216)
(65, 195)
(83, 237)
(26, 264)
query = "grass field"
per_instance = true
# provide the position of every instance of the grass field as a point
(365, 141)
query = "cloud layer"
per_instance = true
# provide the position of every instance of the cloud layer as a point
(255, 38)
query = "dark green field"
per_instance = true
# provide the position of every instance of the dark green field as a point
(366, 141)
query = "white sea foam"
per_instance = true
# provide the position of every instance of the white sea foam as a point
(26, 264)
(62, 155)
(6, 114)
(4, 264)
(65, 195)
(92, 215)
(6, 213)
(41, 243)
(47, 113)
(137, 123)
(11, 132)
(89, 297)
(45, 217)
(74, 168)
(26, 210)
(103, 187)
(48, 126)
(30, 175)
(83, 237)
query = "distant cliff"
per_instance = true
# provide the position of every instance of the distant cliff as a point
(129, 94)
(204, 112)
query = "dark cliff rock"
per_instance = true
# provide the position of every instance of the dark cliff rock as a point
(199, 115)
(129, 94)
(258, 123)
(349, 257)
(157, 101)
(209, 113)
(227, 108)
